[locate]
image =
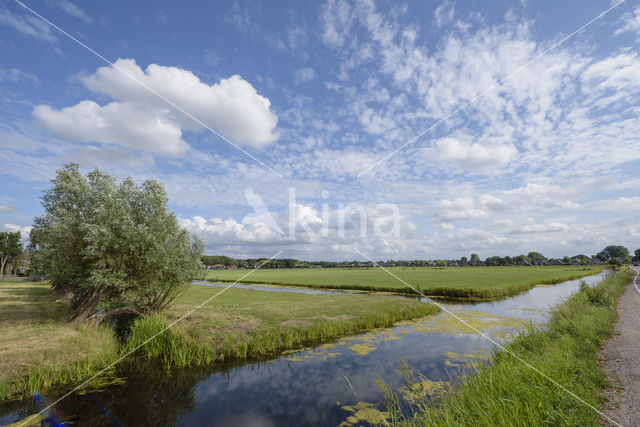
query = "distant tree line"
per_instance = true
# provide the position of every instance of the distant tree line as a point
(613, 254)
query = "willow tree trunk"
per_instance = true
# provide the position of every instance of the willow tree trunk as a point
(88, 306)
(87, 311)
(3, 261)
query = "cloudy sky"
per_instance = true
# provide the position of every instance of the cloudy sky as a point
(325, 130)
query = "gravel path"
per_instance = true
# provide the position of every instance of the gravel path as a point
(622, 360)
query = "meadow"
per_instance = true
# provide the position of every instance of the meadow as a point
(246, 324)
(453, 282)
(506, 392)
(39, 349)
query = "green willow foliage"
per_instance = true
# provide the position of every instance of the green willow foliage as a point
(114, 247)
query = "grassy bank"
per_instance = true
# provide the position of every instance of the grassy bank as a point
(453, 282)
(244, 324)
(38, 348)
(506, 392)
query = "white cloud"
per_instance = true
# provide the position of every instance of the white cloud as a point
(543, 196)
(329, 232)
(139, 119)
(621, 204)
(474, 155)
(73, 10)
(336, 19)
(444, 14)
(224, 231)
(630, 22)
(551, 227)
(617, 72)
(494, 203)
(458, 209)
(14, 75)
(304, 75)
(24, 230)
(7, 209)
(28, 25)
(115, 122)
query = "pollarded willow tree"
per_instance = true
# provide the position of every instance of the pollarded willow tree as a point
(114, 248)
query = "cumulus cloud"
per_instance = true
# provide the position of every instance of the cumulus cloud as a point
(472, 155)
(140, 119)
(330, 231)
(24, 230)
(119, 123)
(229, 231)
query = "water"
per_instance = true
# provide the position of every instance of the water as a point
(311, 387)
(271, 288)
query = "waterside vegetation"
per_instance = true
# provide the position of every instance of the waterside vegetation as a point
(40, 349)
(246, 324)
(506, 392)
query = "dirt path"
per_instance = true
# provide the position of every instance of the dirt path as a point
(622, 360)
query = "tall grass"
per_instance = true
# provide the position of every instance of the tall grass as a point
(184, 346)
(60, 365)
(506, 392)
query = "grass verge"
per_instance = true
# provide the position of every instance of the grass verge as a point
(39, 348)
(506, 392)
(245, 324)
(450, 282)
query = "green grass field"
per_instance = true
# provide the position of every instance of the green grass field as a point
(459, 282)
(38, 347)
(244, 324)
(506, 392)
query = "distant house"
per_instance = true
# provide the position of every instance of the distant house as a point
(233, 267)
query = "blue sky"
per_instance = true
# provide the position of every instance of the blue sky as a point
(310, 97)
